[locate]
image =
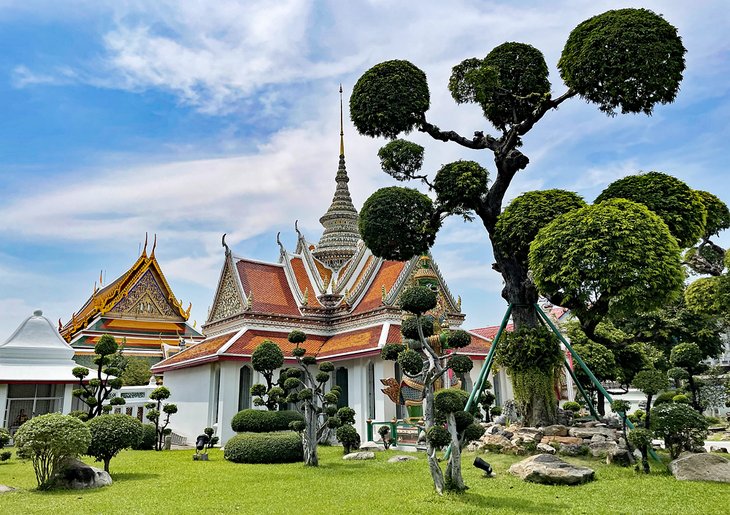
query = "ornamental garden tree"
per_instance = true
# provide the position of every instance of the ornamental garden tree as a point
(688, 357)
(156, 409)
(626, 60)
(96, 391)
(641, 439)
(425, 357)
(681, 427)
(111, 434)
(266, 359)
(651, 382)
(4, 439)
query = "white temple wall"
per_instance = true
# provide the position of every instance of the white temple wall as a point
(190, 389)
(3, 405)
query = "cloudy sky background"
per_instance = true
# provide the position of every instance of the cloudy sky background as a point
(192, 119)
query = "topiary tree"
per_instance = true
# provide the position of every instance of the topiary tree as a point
(621, 408)
(628, 60)
(651, 382)
(267, 358)
(428, 365)
(112, 433)
(681, 427)
(688, 356)
(136, 372)
(156, 409)
(641, 439)
(96, 391)
(707, 257)
(48, 441)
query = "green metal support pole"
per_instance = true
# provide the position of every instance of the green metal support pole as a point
(484, 372)
(370, 430)
(585, 368)
(588, 400)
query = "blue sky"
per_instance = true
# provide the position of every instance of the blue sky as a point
(191, 119)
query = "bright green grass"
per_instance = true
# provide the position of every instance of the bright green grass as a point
(170, 482)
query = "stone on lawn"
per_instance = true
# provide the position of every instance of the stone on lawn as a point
(701, 467)
(545, 448)
(571, 449)
(588, 432)
(620, 457)
(601, 449)
(362, 455)
(551, 470)
(371, 446)
(550, 440)
(401, 457)
(77, 475)
(555, 430)
(5, 489)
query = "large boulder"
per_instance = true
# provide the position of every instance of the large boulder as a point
(551, 470)
(552, 440)
(545, 448)
(601, 449)
(588, 432)
(555, 430)
(620, 457)
(77, 475)
(701, 467)
(528, 434)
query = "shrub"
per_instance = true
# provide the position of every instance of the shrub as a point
(665, 397)
(571, 406)
(276, 447)
(261, 421)
(495, 411)
(49, 440)
(5, 455)
(438, 436)
(681, 427)
(4, 437)
(348, 437)
(112, 433)
(681, 399)
(418, 299)
(148, 439)
(448, 401)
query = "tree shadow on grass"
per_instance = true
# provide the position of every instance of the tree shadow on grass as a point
(133, 476)
(516, 505)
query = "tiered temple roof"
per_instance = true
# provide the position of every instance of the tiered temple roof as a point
(138, 308)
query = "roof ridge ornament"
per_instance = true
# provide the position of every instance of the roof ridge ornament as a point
(225, 245)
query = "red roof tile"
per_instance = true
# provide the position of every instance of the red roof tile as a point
(300, 273)
(207, 348)
(490, 332)
(386, 276)
(271, 292)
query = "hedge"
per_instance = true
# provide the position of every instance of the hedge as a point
(263, 421)
(149, 438)
(276, 447)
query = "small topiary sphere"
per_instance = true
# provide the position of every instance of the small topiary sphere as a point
(473, 432)
(409, 327)
(438, 437)
(334, 422)
(297, 425)
(630, 59)
(448, 401)
(297, 337)
(305, 394)
(463, 420)
(640, 438)
(398, 223)
(106, 345)
(418, 299)
(571, 406)
(401, 159)
(348, 437)
(294, 372)
(460, 364)
(267, 356)
(346, 414)
(390, 98)
(298, 352)
(327, 366)
(331, 397)
(330, 411)
(680, 399)
(458, 339)
(309, 360)
(390, 351)
(411, 362)
(460, 185)
(292, 383)
(258, 390)
(322, 377)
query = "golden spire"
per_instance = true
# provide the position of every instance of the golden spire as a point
(342, 132)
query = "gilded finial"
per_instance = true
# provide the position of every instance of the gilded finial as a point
(154, 246)
(458, 303)
(144, 249)
(342, 131)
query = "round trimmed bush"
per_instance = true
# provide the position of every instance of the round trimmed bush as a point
(411, 362)
(418, 299)
(263, 421)
(571, 406)
(438, 436)
(148, 440)
(409, 327)
(276, 447)
(449, 400)
(459, 339)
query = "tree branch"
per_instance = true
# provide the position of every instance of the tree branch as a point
(478, 142)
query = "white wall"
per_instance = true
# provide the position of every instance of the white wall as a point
(3, 405)
(190, 390)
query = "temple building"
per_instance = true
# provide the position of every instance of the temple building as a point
(336, 291)
(139, 309)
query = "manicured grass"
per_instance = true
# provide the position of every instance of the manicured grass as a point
(170, 482)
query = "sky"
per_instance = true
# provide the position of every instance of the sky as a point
(192, 119)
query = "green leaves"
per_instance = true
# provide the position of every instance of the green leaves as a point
(651, 382)
(417, 299)
(401, 159)
(267, 357)
(459, 186)
(630, 59)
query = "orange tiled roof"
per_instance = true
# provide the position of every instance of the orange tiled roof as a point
(386, 276)
(490, 332)
(352, 341)
(271, 292)
(479, 344)
(324, 272)
(204, 349)
(248, 341)
(300, 274)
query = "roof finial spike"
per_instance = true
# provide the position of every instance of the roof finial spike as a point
(296, 228)
(225, 245)
(144, 249)
(342, 131)
(282, 250)
(154, 245)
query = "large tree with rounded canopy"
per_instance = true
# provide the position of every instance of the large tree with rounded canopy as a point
(626, 60)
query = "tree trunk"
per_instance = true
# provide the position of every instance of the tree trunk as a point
(695, 394)
(601, 404)
(106, 464)
(454, 480)
(309, 436)
(647, 421)
(433, 464)
(645, 459)
(626, 439)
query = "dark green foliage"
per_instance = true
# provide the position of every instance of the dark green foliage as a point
(677, 375)
(258, 390)
(521, 220)
(418, 299)
(473, 432)
(411, 362)
(681, 208)
(106, 345)
(620, 406)
(616, 257)
(448, 401)
(346, 414)
(496, 410)
(277, 447)
(326, 366)
(267, 357)
(348, 437)
(709, 296)
(651, 382)
(631, 59)
(298, 352)
(296, 337)
(718, 214)
(111, 434)
(409, 327)
(458, 339)
(322, 377)
(297, 425)
(4, 437)
(473, 81)
(665, 397)
(390, 98)
(5, 455)
(459, 186)
(438, 436)
(331, 397)
(81, 415)
(460, 364)
(309, 360)
(600, 361)
(390, 351)
(305, 394)
(136, 372)
(148, 439)
(529, 348)
(463, 420)
(681, 427)
(80, 372)
(687, 356)
(263, 421)
(571, 406)
(398, 223)
(294, 372)
(291, 383)
(334, 422)
(640, 437)
(401, 159)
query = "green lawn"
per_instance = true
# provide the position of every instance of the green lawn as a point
(170, 482)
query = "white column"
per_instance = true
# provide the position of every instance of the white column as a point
(228, 399)
(67, 398)
(3, 405)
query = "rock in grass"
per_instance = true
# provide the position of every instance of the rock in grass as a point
(551, 470)
(77, 475)
(701, 467)
(5, 489)
(401, 457)
(545, 448)
(362, 455)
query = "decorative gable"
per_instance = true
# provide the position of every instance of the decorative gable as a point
(145, 299)
(229, 298)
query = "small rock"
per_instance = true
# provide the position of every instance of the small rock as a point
(588, 432)
(562, 439)
(401, 457)
(601, 449)
(598, 438)
(555, 430)
(550, 470)
(5, 489)
(568, 449)
(546, 449)
(619, 457)
(718, 449)
(701, 467)
(77, 475)
(362, 455)
(371, 446)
